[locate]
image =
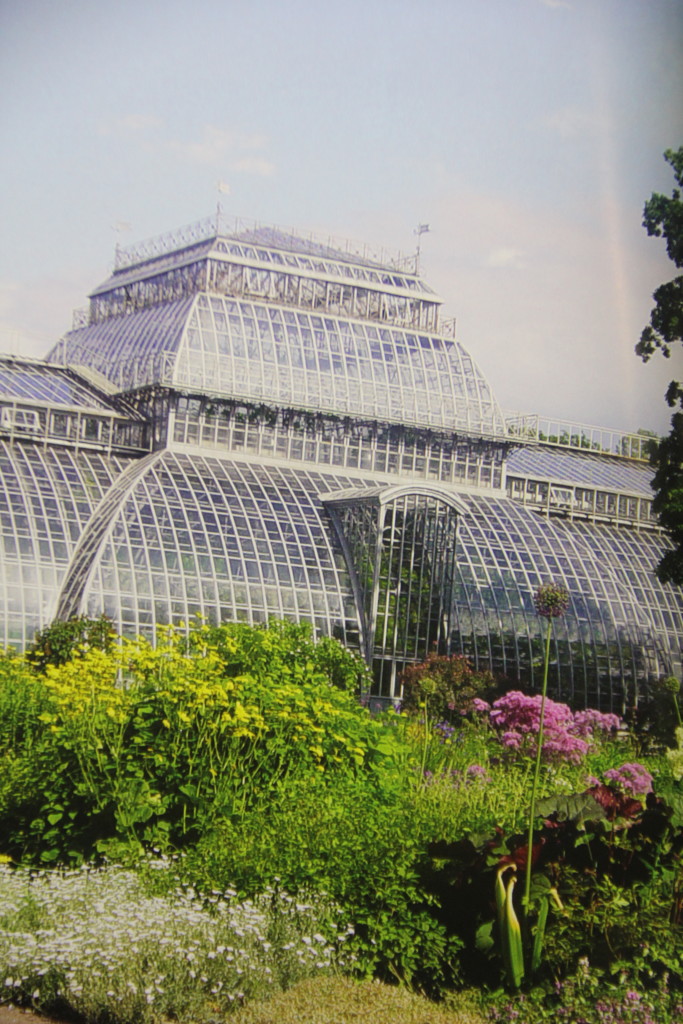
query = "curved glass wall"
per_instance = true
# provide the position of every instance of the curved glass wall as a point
(47, 498)
(613, 638)
(130, 351)
(182, 534)
(185, 535)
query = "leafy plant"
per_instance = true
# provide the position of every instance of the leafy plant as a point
(359, 845)
(151, 745)
(658, 714)
(607, 877)
(445, 686)
(59, 641)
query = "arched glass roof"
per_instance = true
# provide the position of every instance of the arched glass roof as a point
(188, 534)
(130, 351)
(622, 624)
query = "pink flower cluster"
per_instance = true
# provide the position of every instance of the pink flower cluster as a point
(631, 778)
(566, 736)
(589, 721)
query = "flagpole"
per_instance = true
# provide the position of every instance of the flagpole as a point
(420, 230)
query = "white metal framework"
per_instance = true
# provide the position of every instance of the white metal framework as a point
(284, 427)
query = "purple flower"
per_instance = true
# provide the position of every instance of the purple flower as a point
(444, 730)
(551, 600)
(630, 778)
(511, 739)
(589, 721)
(477, 773)
(516, 717)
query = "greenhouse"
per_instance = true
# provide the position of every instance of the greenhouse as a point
(246, 424)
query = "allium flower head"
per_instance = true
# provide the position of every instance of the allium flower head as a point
(672, 684)
(551, 600)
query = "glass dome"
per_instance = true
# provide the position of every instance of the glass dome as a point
(333, 332)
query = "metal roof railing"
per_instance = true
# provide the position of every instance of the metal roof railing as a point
(220, 224)
(533, 428)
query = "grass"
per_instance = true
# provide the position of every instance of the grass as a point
(335, 1000)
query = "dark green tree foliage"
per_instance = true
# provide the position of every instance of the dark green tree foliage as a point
(59, 641)
(663, 217)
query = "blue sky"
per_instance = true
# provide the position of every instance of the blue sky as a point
(526, 133)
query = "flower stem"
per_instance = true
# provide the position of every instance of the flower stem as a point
(537, 772)
(677, 709)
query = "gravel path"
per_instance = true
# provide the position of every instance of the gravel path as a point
(13, 1015)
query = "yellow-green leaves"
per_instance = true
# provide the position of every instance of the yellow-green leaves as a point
(151, 744)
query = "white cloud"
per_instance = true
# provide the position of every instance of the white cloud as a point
(506, 257)
(215, 145)
(556, 3)
(256, 165)
(570, 122)
(130, 124)
(241, 152)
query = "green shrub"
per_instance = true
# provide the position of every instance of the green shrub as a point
(59, 641)
(247, 748)
(151, 745)
(445, 687)
(658, 714)
(359, 845)
(611, 867)
(275, 651)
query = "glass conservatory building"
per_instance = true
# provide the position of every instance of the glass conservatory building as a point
(245, 424)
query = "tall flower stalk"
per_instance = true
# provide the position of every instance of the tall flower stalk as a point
(551, 601)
